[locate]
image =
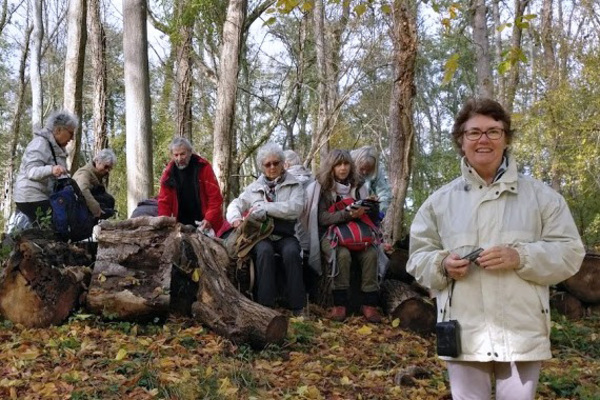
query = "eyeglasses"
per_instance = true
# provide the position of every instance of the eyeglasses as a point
(475, 134)
(272, 164)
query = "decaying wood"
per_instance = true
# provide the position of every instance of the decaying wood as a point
(148, 267)
(567, 305)
(132, 274)
(43, 282)
(220, 305)
(415, 312)
(585, 284)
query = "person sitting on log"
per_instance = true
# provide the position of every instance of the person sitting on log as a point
(91, 179)
(333, 197)
(372, 173)
(293, 165)
(189, 190)
(276, 194)
(44, 160)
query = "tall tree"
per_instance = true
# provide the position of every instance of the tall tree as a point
(227, 91)
(185, 17)
(485, 82)
(137, 103)
(401, 134)
(74, 63)
(516, 53)
(37, 103)
(97, 40)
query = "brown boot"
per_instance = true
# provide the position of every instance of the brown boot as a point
(371, 314)
(337, 313)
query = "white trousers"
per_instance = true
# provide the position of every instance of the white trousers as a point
(473, 380)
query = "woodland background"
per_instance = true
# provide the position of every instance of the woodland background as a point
(311, 75)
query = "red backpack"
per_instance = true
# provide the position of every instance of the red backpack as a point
(355, 235)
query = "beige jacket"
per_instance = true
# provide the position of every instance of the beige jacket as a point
(87, 179)
(504, 315)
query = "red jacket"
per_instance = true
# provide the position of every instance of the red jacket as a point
(208, 189)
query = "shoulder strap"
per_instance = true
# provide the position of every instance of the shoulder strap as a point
(52, 150)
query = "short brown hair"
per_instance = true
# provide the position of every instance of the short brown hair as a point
(480, 106)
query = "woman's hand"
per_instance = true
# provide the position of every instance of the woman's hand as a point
(357, 212)
(455, 267)
(499, 257)
(236, 223)
(58, 170)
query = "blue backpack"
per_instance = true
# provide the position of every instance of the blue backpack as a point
(71, 217)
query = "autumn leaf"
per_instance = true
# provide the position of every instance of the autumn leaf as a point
(364, 330)
(121, 354)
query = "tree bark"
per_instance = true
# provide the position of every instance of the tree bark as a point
(97, 39)
(140, 182)
(402, 131)
(74, 61)
(43, 281)
(37, 103)
(227, 92)
(567, 305)
(415, 312)
(483, 68)
(183, 67)
(585, 284)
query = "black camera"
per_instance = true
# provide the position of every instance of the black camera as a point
(367, 203)
(472, 256)
(448, 338)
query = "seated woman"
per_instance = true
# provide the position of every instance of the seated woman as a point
(91, 179)
(372, 173)
(44, 160)
(338, 181)
(276, 194)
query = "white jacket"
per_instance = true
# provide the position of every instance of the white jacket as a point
(35, 181)
(504, 315)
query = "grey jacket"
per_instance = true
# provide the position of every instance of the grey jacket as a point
(35, 180)
(288, 205)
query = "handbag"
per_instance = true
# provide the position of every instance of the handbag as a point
(355, 235)
(448, 333)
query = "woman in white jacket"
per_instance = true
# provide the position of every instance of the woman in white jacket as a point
(501, 299)
(44, 160)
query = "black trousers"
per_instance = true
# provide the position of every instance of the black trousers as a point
(263, 254)
(33, 209)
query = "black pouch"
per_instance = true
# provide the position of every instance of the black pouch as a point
(448, 338)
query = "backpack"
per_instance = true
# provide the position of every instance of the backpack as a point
(355, 235)
(71, 217)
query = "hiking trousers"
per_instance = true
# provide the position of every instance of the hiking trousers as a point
(267, 268)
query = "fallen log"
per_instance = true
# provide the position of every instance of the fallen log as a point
(568, 305)
(148, 267)
(585, 284)
(43, 281)
(415, 312)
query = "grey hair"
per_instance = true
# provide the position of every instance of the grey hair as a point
(269, 149)
(106, 156)
(365, 154)
(62, 119)
(292, 158)
(178, 142)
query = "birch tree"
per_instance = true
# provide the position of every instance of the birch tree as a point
(137, 103)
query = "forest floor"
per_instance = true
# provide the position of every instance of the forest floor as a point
(87, 358)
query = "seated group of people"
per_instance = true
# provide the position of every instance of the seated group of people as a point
(300, 208)
(45, 160)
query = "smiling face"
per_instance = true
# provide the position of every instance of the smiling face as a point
(484, 154)
(272, 167)
(341, 170)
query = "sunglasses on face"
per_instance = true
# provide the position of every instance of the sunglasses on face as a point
(272, 164)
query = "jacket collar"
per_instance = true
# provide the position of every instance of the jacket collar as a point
(508, 179)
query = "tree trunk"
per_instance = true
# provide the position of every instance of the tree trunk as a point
(415, 312)
(97, 39)
(227, 91)
(147, 267)
(585, 284)
(483, 68)
(517, 34)
(43, 281)
(37, 103)
(402, 132)
(15, 129)
(75, 59)
(183, 65)
(140, 181)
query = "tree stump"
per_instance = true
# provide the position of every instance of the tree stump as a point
(415, 312)
(567, 305)
(149, 266)
(43, 282)
(585, 284)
